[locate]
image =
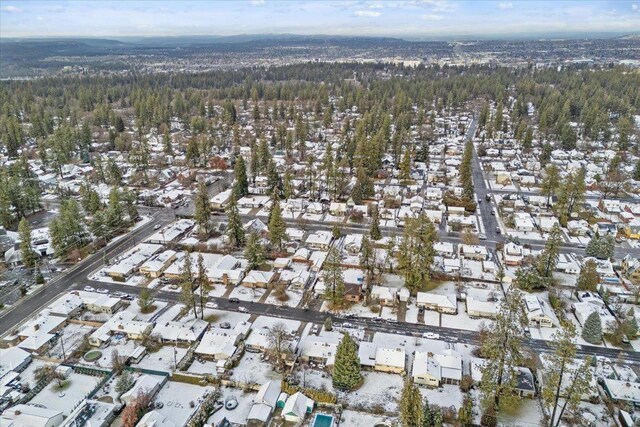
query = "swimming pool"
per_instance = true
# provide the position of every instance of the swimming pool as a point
(322, 420)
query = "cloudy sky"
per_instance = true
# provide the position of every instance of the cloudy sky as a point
(410, 18)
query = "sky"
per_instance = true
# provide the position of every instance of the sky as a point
(413, 19)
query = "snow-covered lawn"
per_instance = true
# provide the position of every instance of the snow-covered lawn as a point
(67, 399)
(462, 320)
(135, 308)
(176, 398)
(432, 318)
(163, 359)
(71, 337)
(378, 390)
(359, 419)
(389, 313)
(247, 294)
(253, 370)
(295, 296)
(204, 367)
(237, 416)
(445, 396)
(412, 314)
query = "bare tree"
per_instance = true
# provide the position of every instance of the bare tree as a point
(278, 340)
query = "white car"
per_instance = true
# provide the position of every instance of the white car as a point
(430, 335)
(243, 310)
(102, 291)
(157, 227)
(89, 289)
(211, 305)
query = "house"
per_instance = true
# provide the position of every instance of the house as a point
(390, 360)
(157, 264)
(436, 369)
(440, 303)
(295, 279)
(220, 200)
(31, 416)
(444, 249)
(512, 254)
(631, 230)
(478, 308)
(145, 383)
(475, 252)
(630, 268)
(523, 222)
(385, 295)
(218, 344)
(155, 419)
(121, 323)
(337, 209)
(320, 349)
(13, 359)
(226, 270)
(297, 407)
(525, 385)
(187, 331)
(264, 404)
(258, 279)
(623, 391)
(319, 240)
(538, 313)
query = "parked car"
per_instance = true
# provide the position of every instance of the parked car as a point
(488, 197)
(243, 310)
(234, 300)
(431, 336)
(157, 227)
(211, 305)
(498, 231)
(102, 291)
(89, 289)
(315, 329)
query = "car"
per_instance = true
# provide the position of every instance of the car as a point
(225, 325)
(126, 297)
(347, 325)
(498, 230)
(479, 201)
(493, 212)
(243, 310)
(377, 319)
(157, 227)
(431, 335)
(581, 245)
(234, 300)
(89, 289)
(482, 236)
(392, 321)
(211, 305)
(315, 330)
(102, 291)
(488, 197)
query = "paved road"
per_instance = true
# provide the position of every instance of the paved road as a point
(588, 197)
(14, 316)
(398, 328)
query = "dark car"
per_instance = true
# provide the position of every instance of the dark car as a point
(498, 231)
(234, 300)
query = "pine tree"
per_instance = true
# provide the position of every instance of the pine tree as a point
(588, 279)
(374, 229)
(333, 279)
(202, 214)
(187, 284)
(277, 227)
(254, 251)
(550, 182)
(549, 257)
(465, 413)
(235, 231)
(502, 349)
(416, 253)
(592, 330)
(346, 369)
(560, 367)
(411, 409)
(241, 184)
(24, 232)
(144, 300)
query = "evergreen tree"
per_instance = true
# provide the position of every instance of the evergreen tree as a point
(548, 259)
(550, 182)
(363, 188)
(411, 409)
(235, 231)
(465, 413)
(502, 349)
(144, 300)
(601, 247)
(277, 227)
(346, 369)
(374, 229)
(254, 251)
(592, 330)
(588, 279)
(333, 279)
(202, 214)
(416, 253)
(24, 233)
(561, 367)
(187, 284)
(241, 184)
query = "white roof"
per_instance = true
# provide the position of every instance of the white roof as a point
(390, 357)
(29, 416)
(11, 358)
(439, 300)
(218, 342)
(182, 331)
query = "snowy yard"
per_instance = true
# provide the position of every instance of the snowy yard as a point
(247, 294)
(295, 296)
(67, 399)
(253, 370)
(176, 399)
(379, 390)
(163, 359)
(237, 416)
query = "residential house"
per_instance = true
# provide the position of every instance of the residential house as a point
(297, 407)
(441, 303)
(538, 313)
(31, 416)
(258, 279)
(319, 240)
(435, 369)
